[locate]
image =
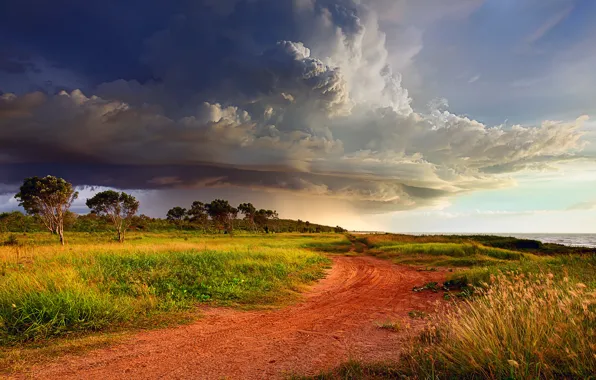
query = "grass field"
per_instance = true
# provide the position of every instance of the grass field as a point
(93, 284)
(474, 262)
(532, 314)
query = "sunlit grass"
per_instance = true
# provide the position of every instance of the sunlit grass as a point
(519, 327)
(523, 327)
(89, 285)
(532, 315)
(447, 254)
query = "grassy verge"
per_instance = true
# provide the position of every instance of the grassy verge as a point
(441, 251)
(47, 291)
(23, 357)
(520, 327)
(533, 315)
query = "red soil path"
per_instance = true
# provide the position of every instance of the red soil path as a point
(334, 322)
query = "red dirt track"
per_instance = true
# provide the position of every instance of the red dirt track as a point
(333, 323)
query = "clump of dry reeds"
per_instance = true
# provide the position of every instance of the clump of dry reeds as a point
(520, 326)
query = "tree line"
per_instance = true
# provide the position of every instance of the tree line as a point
(223, 215)
(47, 201)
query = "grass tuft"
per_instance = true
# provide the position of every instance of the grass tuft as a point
(521, 326)
(394, 326)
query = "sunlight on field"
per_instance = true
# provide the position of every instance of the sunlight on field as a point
(528, 314)
(520, 326)
(90, 285)
(527, 310)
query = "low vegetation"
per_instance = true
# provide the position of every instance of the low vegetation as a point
(519, 326)
(511, 311)
(389, 325)
(46, 291)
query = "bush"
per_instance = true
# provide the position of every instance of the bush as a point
(11, 240)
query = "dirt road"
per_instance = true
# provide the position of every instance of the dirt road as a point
(335, 322)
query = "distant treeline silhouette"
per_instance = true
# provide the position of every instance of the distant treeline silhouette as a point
(47, 202)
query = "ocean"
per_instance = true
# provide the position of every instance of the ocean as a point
(574, 240)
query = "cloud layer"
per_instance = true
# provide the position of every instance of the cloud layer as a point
(284, 96)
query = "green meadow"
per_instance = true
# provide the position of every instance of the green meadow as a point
(49, 291)
(513, 308)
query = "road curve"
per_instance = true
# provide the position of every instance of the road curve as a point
(333, 323)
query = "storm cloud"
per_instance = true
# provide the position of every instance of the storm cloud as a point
(279, 96)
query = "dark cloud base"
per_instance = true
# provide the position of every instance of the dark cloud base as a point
(278, 96)
(202, 177)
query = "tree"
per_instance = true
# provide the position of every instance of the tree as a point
(16, 222)
(262, 218)
(222, 214)
(177, 214)
(249, 211)
(49, 198)
(198, 213)
(339, 230)
(118, 207)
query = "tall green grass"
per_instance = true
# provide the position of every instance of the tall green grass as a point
(47, 291)
(578, 268)
(444, 254)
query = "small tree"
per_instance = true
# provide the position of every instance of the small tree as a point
(249, 211)
(222, 214)
(198, 213)
(118, 207)
(49, 198)
(176, 214)
(262, 218)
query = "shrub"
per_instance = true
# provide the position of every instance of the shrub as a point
(11, 240)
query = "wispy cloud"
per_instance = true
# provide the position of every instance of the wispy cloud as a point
(583, 206)
(474, 79)
(548, 25)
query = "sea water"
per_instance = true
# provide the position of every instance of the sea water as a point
(574, 240)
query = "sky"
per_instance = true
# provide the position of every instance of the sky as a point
(391, 115)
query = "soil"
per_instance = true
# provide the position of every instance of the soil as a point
(334, 322)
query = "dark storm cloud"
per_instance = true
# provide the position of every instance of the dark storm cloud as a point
(15, 64)
(365, 194)
(283, 96)
(101, 39)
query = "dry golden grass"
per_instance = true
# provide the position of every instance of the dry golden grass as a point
(522, 327)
